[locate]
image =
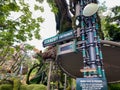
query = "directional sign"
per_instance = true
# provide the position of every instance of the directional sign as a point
(59, 38)
(66, 35)
(50, 41)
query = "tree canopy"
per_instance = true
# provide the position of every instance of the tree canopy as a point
(17, 25)
(112, 24)
(22, 28)
(65, 15)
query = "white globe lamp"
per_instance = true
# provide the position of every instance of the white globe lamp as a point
(90, 9)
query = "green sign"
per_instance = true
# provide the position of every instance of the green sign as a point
(91, 84)
(58, 38)
(51, 40)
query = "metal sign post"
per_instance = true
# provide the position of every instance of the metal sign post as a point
(93, 71)
(87, 29)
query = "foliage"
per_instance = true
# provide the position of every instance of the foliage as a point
(111, 24)
(21, 28)
(53, 6)
(6, 82)
(37, 73)
(114, 86)
(17, 25)
(13, 58)
(6, 87)
(42, 87)
(102, 8)
(36, 87)
(16, 84)
(24, 87)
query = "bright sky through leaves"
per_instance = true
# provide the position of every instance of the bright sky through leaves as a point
(48, 27)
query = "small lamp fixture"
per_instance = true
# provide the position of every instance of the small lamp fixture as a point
(90, 9)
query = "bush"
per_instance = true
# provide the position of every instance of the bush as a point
(114, 86)
(4, 81)
(18, 86)
(36, 87)
(30, 87)
(6, 87)
(23, 87)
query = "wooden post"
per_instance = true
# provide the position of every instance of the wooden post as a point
(49, 74)
(65, 83)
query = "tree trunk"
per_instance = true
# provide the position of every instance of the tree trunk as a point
(63, 17)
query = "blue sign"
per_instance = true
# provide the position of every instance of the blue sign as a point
(67, 48)
(50, 40)
(66, 35)
(91, 84)
(58, 38)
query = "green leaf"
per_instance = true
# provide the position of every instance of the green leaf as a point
(21, 29)
(14, 7)
(40, 1)
(36, 7)
(40, 19)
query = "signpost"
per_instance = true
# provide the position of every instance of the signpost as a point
(93, 70)
(59, 38)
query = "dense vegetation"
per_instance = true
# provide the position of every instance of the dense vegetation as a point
(112, 24)
(24, 26)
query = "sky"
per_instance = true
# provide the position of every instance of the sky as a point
(111, 3)
(48, 27)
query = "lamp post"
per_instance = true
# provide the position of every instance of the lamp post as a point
(87, 29)
(91, 50)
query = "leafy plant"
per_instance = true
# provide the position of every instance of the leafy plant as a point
(111, 24)
(6, 87)
(17, 23)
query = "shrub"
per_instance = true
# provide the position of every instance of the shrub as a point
(114, 86)
(16, 83)
(36, 87)
(23, 87)
(6, 87)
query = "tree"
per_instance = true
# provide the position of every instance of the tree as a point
(112, 24)
(102, 9)
(18, 29)
(24, 28)
(65, 20)
(15, 59)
